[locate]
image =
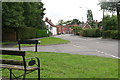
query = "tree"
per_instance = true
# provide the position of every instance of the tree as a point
(12, 14)
(110, 22)
(33, 13)
(60, 22)
(75, 21)
(90, 17)
(70, 22)
(111, 5)
(23, 14)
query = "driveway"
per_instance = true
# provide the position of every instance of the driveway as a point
(80, 45)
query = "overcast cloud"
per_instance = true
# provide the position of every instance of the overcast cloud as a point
(70, 9)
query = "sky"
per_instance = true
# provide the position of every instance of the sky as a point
(71, 9)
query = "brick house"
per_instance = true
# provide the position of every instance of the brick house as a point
(60, 29)
(86, 26)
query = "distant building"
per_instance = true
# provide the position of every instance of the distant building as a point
(51, 27)
(86, 26)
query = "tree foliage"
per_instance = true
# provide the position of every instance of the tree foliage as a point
(60, 22)
(75, 21)
(22, 14)
(69, 22)
(12, 14)
(76, 29)
(90, 17)
(109, 5)
(110, 22)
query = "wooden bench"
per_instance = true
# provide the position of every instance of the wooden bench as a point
(27, 65)
(28, 42)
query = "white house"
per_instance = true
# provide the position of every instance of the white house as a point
(51, 27)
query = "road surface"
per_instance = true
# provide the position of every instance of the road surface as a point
(80, 45)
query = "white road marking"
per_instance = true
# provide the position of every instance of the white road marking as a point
(108, 54)
(76, 45)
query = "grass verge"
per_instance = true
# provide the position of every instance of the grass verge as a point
(64, 65)
(7, 42)
(48, 41)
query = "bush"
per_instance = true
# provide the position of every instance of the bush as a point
(24, 33)
(114, 34)
(91, 32)
(41, 33)
(76, 29)
(29, 32)
(106, 34)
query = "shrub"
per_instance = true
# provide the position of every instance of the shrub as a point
(25, 33)
(76, 29)
(91, 32)
(41, 33)
(114, 34)
(29, 32)
(106, 34)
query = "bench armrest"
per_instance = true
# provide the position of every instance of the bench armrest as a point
(32, 62)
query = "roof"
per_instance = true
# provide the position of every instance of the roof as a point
(49, 22)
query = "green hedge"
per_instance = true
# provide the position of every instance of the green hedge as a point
(91, 32)
(41, 33)
(29, 32)
(106, 34)
(114, 34)
(25, 32)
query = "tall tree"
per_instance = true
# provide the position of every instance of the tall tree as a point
(12, 14)
(90, 17)
(23, 14)
(33, 13)
(111, 5)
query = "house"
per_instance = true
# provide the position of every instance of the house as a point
(51, 27)
(64, 29)
(86, 26)
(59, 29)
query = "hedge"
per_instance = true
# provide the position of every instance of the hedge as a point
(114, 34)
(41, 33)
(91, 32)
(27, 32)
(106, 34)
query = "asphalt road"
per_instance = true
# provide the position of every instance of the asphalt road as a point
(80, 45)
(92, 46)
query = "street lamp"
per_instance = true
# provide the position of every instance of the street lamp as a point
(86, 9)
(82, 16)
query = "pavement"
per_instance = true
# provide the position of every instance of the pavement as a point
(79, 45)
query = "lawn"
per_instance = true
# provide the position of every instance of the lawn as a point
(8, 42)
(64, 65)
(48, 41)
